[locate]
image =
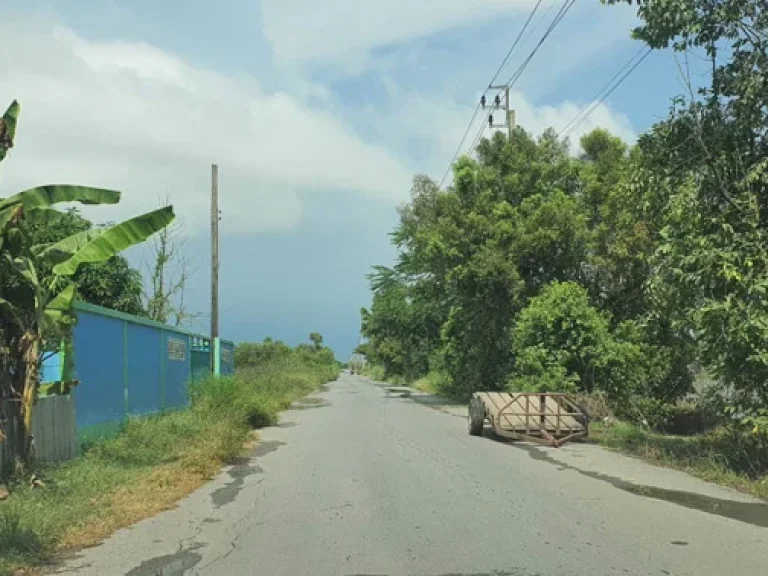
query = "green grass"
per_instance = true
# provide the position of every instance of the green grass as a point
(432, 383)
(727, 456)
(149, 465)
(374, 372)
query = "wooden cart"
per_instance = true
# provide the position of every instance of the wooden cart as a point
(547, 418)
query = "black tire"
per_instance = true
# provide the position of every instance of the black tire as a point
(476, 417)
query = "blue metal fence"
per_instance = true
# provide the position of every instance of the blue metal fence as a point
(226, 357)
(128, 365)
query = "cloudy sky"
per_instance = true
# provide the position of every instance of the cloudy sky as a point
(317, 113)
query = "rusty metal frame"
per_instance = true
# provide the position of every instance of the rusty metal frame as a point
(555, 436)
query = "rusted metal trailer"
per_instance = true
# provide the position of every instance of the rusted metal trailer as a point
(546, 418)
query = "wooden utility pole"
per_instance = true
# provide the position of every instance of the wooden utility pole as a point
(509, 115)
(214, 255)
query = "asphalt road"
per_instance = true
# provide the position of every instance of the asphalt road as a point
(362, 480)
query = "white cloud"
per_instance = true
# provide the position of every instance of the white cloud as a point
(132, 117)
(344, 31)
(536, 119)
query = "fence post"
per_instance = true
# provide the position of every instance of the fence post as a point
(163, 355)
(126, 408)
(216, 351)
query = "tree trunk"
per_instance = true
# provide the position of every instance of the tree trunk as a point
(11, 435)
(31, 381)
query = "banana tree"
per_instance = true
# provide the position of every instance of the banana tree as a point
(31, 304)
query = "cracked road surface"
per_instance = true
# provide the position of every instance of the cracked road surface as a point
(365, 480)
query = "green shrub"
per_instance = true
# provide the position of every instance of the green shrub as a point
(375, 372)
(562, 344)
(434, 382)
(249, 354)
(597, 405)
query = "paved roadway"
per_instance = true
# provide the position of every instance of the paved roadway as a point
(362, 480)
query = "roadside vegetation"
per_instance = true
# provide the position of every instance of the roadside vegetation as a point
(633, 276)
(155, 461)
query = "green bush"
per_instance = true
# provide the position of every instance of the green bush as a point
(268, 352)
(248, 354)
(597, 405)
(561, 343)
(375, 372)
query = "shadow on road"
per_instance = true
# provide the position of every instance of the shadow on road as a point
(752, 513)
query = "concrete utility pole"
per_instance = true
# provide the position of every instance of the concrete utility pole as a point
(215, 217)
(509, 115)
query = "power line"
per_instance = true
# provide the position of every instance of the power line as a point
(477, 108)
(536, 27)
(605, 92)
(567, 5)
(461, 143)
(517, 40)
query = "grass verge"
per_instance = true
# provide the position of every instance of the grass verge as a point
(150, 465)
(725, 456)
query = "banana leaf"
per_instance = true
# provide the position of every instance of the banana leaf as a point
(116, 239)
(44, 196)
(26, 269)
(8, 128)
(62, 250)
(61, 304)
(8, 214)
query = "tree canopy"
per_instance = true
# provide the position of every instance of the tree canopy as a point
(620, 268)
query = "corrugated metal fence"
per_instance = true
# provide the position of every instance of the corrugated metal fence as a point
(53, 430)
(127, 366)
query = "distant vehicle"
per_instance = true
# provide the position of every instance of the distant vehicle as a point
(356, 364)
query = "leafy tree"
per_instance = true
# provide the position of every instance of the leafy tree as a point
(471, 256)
(317, 340)
(113, 284)
(363, 349)
(707, 162)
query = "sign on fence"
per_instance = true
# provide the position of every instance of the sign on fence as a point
(177, 349)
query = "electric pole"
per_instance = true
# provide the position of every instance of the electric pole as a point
(214, 257)
(509, 115)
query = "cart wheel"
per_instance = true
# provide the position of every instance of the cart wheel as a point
(476, 417)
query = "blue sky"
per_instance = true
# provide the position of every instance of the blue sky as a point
(318, 114)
